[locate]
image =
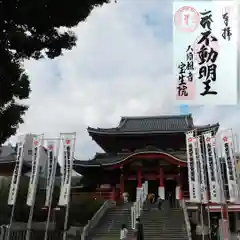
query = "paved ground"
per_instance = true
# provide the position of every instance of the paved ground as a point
(233, 236)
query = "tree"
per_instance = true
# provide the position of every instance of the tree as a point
(31, 29)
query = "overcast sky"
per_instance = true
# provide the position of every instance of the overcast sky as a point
(122, 66)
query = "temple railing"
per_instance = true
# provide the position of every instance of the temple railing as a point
(138, 205)
(106, 195)
(96, 218)
(186, 218)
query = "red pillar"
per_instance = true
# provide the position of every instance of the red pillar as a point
(161, 177)
(179, 185)
(113, 196)
(161, 188)
(121, 184)
(139, 176)
(225, 210)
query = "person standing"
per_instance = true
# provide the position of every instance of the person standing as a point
(170, 199)
(159, 203)
(153, 198)
(125, 197)
(149, 200)
(238, 235)
(123, 232)
(139, 230)
(3, 231)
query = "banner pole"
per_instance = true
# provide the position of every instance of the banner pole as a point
(224, 205)
(52, 189)
(208, 198)
(29, 224)
(13, 191)
(11, 222)
(199, 180)
(209, 188)
(68, 197)
(209, 222)
(223, 197)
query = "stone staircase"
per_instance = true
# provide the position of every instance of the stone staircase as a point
(110, 225)
(166, 225)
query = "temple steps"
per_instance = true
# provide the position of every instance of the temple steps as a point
(110, 225)
(164, 225)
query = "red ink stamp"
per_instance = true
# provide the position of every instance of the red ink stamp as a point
(187, 19)
(190, 89)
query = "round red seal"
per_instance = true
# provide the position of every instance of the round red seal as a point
(187, 19)
(225, 139)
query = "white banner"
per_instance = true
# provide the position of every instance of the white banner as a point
(231, 168)
(52, 157)
(12, 196)
(63, 167)
(212, 169)
(193, 179)
(219, 170)
(68, 141)
(202, 171)
(33, 182)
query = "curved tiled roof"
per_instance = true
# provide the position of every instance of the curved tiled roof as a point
(158, 124)
(108, 160)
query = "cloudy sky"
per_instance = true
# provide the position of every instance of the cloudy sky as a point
(122, 66)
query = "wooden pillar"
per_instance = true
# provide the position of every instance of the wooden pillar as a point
(161, 177)
(121, 183)
(161, 188)
(179, 192)
(113, 194)
(139, 177)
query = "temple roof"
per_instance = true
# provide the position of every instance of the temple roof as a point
(153, 124)
(104, 159)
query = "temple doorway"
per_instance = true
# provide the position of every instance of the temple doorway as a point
(153, 186)
(130, 186)
(170, 191)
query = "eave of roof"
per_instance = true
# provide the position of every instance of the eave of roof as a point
(117, 131)
(109, 160)
(9, 158)
(26, 164)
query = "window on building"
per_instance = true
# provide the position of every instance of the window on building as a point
(29, 152)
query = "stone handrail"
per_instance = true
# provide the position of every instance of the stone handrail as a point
(96, 218)
(186, 218)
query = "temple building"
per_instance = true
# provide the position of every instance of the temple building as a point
(139, 149)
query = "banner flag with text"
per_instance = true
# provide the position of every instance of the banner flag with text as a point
(202, 171)
(193, 179)
(215, 193)
(52, 159)
(33, 182)
(68, 141)
(231, 168)
(17, 172)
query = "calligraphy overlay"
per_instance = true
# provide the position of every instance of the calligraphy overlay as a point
(205, 52)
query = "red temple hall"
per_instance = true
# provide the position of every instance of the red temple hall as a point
(140, 149)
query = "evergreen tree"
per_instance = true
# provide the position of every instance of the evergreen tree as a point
(30, 29)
